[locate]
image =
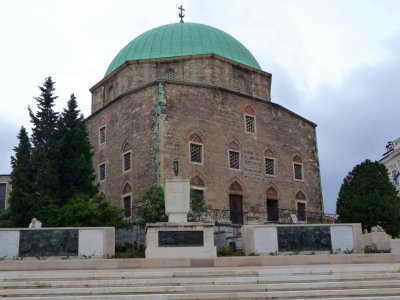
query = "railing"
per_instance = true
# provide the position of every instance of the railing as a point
(281, 216)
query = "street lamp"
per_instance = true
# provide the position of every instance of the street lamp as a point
(175, 164)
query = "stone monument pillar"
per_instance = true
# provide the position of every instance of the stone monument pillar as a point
(177, 199)
(178, 238)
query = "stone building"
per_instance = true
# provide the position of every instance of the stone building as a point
(391, 159)
(194, 93)
(5, 190)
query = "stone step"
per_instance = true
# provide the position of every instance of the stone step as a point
(365, 294)
(369, 281)
(202, 272)
(315, 288)
(174, 281)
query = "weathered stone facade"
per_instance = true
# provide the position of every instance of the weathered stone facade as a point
(204, 100)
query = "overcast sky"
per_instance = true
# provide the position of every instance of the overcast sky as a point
(336, 63)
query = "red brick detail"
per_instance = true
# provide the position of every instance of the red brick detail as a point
(234, 145)
(196, 138)
(271, 192)
(297, 159)
(250, 110)
(269, 152)
(127, 188)
(197, 181)
(235, 187)
(300, 196)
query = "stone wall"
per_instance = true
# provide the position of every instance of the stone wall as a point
(202, 69)
(217, 116)
(130, 125)
(208, 96)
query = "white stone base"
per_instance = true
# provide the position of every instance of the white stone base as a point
(153, 250)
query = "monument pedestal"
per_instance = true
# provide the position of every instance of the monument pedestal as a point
(180, 240)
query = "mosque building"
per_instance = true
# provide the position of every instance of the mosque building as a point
(194, 94)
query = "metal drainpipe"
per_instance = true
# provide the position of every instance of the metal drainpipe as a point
(159, 101)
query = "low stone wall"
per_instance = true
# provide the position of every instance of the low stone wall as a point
(382, 241)
(267, 239)
(88, 242)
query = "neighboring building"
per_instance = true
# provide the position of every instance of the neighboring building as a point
(5, 190)
(391, 159)
(192, 92)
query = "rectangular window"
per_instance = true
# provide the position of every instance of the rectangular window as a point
(272, 210)
(102, 172)
(298, 171)
(102, 135)
(250, 124)
(199, 194)
(126, 163)
(301, 211)
(3, 195)
(196, 153)
(269, 166)
(127, 206)
(234, 157)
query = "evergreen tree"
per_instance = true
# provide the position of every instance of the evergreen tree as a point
(53, 178)
(22, 206)
(367, 196)
(45, 158)
(75, 164)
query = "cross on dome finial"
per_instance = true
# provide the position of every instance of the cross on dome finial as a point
(181, 15)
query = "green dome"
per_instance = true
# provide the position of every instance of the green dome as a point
(181, 39)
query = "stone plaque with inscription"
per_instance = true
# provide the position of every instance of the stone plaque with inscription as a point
(252, 166)
(42, 242)
(304, 238)
(180, 238)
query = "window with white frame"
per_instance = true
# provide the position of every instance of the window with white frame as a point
(127, 161)
(102, 171)
(298, 171)
(234, 159)
(250, 123)
(127, 202)
(102, 135)
(270, 166)
(196, 153)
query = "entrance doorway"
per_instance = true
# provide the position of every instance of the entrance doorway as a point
(236, 208)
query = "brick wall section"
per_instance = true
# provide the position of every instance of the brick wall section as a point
(217, 115)
(130, 119)
(203, 99)
(202, 69)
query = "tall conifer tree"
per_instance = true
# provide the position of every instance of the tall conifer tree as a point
(45, 158)
(22, 206)
(75, 168)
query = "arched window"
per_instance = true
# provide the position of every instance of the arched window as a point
(101, 168)
(126, 158)
(127, 200)
(196, 148)
(301, 206)
(249, 119)
(236, 203)
(234, 155)
(198, 186)
(269, 160)
(272, 205)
